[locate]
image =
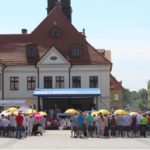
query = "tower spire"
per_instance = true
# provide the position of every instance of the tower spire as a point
(65, 6)
(51, 5)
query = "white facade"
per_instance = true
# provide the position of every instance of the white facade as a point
(52, 67)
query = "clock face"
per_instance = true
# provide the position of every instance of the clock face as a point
(53, 58)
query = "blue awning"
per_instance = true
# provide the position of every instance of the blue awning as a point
(65, 92)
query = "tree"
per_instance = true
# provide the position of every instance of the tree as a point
(143, 94)
(136, 100)
(148, 92)
(127, 95)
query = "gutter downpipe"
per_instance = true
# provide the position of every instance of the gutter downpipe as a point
(38, 85)
(70, 75)
(3, 69)
(69, 100)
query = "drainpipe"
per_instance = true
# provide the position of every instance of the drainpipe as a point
(3, 86)
(69, 100)
(38, 85)
(70, 75)
(38, 76)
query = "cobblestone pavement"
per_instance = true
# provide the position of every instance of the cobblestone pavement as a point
(61, 140)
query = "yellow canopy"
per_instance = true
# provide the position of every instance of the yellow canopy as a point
(120, 112)
(11, 109)
(133, 113)
(30, 111)
(104, 111)
(43, 113)
(71, 111)
(15, 113)
(94, 113)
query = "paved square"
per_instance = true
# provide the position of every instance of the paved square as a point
(61, 140)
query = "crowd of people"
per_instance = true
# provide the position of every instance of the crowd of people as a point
(81, 124)
(21, 125)
(86, 125)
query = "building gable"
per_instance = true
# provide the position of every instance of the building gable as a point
(114, 84)
(53, 57)
(55, 30)
(67, 37)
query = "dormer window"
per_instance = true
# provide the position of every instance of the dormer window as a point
(31, 51)
(55, 32)
(75, 51)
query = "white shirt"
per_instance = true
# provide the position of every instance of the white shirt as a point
(12, 120)
(31, 121)
(5, 122)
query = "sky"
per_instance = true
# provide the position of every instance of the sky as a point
(122, 26)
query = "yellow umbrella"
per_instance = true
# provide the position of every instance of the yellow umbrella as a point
(133, 113)
(43, 113)
(104, 111)
(11, 109)
(30, 111)
(71, 111)
(120, 112)
(15, 113)
(94, 113)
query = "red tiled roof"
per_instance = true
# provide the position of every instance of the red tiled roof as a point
(114, 84)
(15, 53)
(16, 38)
(1, 62)
(40, 36)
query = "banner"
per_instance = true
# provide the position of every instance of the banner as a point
(12, 102)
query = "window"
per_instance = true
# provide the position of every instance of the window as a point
(116, 97)
(75, 52)
(47, 82)
(93, 81)
(14, 83)
(59, 82)
(31, 83)
(31, 51)
(76, 82)
(55, 32)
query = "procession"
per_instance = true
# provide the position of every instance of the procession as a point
(24, 121)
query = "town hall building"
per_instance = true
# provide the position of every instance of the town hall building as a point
(54, 65)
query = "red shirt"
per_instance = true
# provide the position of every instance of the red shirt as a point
(19, 120)
(148, 120)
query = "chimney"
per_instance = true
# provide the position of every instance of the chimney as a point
(120, 82)
(24, 31)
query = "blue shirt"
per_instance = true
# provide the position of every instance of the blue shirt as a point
(80, 120)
